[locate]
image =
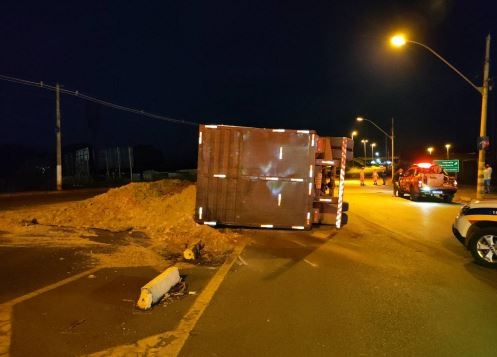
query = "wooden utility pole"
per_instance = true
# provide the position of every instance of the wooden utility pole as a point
(483, 119)
(58, 137)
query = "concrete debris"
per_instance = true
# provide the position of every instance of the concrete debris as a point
(156, 289)
(193, 252)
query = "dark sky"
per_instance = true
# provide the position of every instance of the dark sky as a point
(285, 64)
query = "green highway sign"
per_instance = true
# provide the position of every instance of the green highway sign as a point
(448, 165)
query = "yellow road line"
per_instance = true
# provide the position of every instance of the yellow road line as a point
(170, 343)
(6, 308)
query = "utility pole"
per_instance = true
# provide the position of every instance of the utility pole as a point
(483, 120)
(393, 151)
(58, 137)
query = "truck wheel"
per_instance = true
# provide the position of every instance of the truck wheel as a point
(448, 198)
(413, 196)
(483, 245)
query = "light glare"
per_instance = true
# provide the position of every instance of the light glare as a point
(398, 40)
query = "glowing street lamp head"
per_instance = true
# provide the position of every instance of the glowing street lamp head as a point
(398, 40)
(359, 119)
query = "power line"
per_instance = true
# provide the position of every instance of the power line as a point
(93, 99)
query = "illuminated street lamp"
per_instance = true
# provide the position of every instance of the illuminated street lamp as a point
(400, 40)
(391, 137)
(354, 133)
(372, 153)
(364, 141)
(447, 146)
(430, 150)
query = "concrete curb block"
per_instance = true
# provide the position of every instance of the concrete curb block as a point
(155, 289)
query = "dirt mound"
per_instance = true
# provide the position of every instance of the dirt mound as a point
(162, 211)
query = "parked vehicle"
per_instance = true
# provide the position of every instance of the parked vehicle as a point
(476, 228)
(269, 178)
(427, 180)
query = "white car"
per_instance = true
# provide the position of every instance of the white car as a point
(476, 228)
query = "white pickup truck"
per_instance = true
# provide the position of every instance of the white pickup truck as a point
(427, 180)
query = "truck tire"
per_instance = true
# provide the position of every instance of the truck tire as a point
(448, 198)
(413, 196)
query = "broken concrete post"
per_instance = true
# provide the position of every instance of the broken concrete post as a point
(193, 251)
(155, 289)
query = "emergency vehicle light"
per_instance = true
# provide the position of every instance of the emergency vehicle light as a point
(424, 165)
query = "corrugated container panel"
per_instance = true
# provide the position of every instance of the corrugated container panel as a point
(217, 197)
(278, 154)
(278, 203)
(253, 176)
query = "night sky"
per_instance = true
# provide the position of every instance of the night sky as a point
(274, 64)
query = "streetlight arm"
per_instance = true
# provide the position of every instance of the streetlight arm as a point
(380, 129)
(479, 89)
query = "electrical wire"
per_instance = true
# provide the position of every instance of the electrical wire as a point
(88, 98)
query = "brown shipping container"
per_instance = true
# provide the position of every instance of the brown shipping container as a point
(255, 177)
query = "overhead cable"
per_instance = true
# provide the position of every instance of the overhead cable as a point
(78, 94)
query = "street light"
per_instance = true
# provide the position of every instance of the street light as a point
(354, 133)
(400, 40)
(391, 137)
(447, 146)
(364, 141)
(372, 153)
(430, 150)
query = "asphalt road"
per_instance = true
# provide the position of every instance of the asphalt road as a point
(393, 281)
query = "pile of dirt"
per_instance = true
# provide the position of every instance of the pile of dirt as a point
(162, 212)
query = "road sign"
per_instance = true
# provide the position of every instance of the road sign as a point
(448, 165)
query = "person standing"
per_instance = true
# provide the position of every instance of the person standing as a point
(361, 175)
(487, 177)
(396, 181)
(383, 174)
(375, 177)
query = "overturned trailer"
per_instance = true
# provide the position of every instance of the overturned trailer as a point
(270, 178)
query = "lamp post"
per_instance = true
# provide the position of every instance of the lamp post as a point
(354, 133)
(391, 137)
(400, 40)
(447, 146)
(364, 141)
(430, 150)
(372, 153)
